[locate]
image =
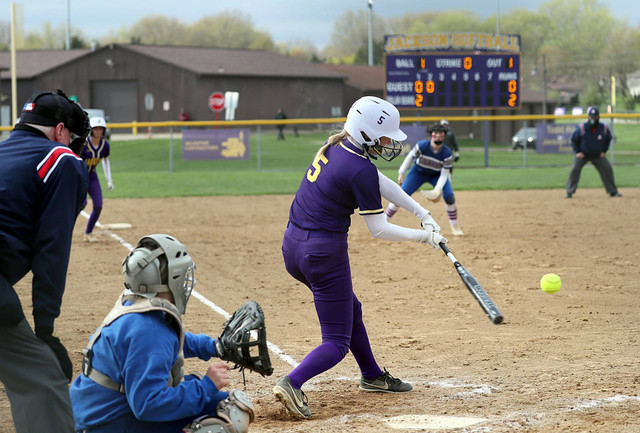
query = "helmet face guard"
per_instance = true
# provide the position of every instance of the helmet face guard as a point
(387, 152)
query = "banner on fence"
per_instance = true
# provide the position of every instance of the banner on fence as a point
(215, 144)
(554, 138)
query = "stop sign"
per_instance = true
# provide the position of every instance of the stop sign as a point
(216, 102)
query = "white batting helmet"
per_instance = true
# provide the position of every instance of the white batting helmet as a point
(371, 118)
(97, 122)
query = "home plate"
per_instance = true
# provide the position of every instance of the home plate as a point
(431, 421)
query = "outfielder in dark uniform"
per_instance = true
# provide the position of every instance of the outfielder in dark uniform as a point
(450, 140)
(340, 179)
(590, 142)
(96, 150)
(42, 186)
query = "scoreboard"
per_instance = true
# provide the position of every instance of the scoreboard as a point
(453, 80)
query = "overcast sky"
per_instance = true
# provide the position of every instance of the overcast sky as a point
(284, 20)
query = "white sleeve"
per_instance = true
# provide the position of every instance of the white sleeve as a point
(380, 228)
(106, 167)
(444, 176)
(406, 164)
(396, 195)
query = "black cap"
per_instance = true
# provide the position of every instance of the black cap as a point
(593, 112)
(51, 108)
(436, 127)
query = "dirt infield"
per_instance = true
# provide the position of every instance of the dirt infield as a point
(566, 362)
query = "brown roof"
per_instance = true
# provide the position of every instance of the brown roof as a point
(217, 61)
(30, 64)
(361, 76)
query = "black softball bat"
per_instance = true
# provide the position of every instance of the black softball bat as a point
(475, 288)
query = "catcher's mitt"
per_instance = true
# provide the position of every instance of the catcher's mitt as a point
(244, 340)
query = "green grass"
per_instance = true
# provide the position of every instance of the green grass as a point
(141, 168)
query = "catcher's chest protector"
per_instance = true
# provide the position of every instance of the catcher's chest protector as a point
(139, 304)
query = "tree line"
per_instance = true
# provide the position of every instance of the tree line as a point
(569, 42)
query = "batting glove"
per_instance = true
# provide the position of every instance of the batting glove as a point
(456, 156)
(429, 224)
(434, 239)
(110, 186)
(433, 195)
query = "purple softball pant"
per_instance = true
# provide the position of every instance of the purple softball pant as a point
(95, 192)
(319, 260)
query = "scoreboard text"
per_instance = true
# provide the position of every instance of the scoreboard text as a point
(453, 80)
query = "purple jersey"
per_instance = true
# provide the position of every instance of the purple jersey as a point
(93, 154)
(338, 182)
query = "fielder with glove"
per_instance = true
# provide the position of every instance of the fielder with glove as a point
(132, 371)
(432, 163)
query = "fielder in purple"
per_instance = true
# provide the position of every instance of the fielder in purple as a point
(342, 178)
(92, 154)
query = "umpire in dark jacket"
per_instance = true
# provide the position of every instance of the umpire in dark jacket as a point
(590, 142)
(43, 184)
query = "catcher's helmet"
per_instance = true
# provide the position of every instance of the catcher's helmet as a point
(371, 118)
(160, 263)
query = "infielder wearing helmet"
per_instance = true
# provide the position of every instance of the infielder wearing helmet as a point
(342, 178)
(132, 374)
(97, 150)
(432, 163)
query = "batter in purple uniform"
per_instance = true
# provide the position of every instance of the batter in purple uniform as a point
(96, 150)
(342, 178)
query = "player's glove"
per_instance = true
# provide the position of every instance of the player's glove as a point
(110, 186)
(433, 195)
(46, 335)
(237, 344)
(429, 224)
(433, 239)
(456, 156)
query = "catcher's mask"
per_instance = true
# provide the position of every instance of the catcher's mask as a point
(160, 263)
(369, 120)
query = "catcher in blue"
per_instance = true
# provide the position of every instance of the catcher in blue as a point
(132, 371)
(340, 179)
(97, 150)
(433, 163)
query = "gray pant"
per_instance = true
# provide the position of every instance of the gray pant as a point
(603, 167)
(35, 384)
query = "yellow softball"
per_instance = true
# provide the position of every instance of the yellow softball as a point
(550, 283)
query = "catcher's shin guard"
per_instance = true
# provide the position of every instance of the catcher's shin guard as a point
(235, 413)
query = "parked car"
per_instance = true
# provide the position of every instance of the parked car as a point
(97, 112)
(525, 135)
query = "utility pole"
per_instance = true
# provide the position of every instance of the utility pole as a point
(370, 32)
(68, 38)
(544, 84)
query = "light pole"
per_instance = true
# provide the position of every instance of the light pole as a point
(544, 81)
(370, 32)
(68, 38)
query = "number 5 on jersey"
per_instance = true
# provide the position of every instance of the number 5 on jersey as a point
(312, 176)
